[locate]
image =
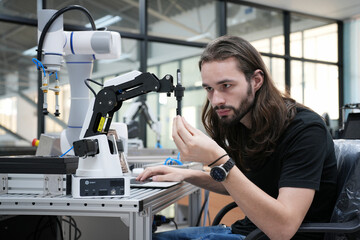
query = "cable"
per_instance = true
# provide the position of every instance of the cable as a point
(56, 76)
(69, 223)
(206, 208)
(90, 88)
(77, 230)
(60, 228)
(37, 228)
(202, 210)
(209, 219)
(173, 221)
(40, 228)
(38, 65)
(54, 17)
(158, 145)
(160, 219)
(67, 151)
(169, 160)
(72, 223)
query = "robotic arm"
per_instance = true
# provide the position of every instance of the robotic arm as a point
(98, 152)
(80, 49)
(110, 98)
(141, 107)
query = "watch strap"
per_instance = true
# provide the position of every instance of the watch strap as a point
(229, 165)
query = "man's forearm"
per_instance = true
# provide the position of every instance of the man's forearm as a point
(203, 180)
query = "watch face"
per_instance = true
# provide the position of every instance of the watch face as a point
(218, 174)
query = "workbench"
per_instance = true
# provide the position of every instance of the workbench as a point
(135, 211)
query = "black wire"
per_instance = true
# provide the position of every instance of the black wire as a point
(37, 227)
(54, 17)
(69, 228)
(200, 214)
(39, 230)
(201, 211)
(70, 225)
(51, 227)
(34, 234)
(172, 220)
(209, 217)
(73, 224)
(93, 81)
(60, 228)
(77, 230)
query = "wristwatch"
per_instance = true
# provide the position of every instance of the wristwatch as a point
(219, 173)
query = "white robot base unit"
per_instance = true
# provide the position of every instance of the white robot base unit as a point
(90, 187)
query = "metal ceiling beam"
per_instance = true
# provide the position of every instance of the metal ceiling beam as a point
(34, 104)
(14, 134)
(122, 10)
(162, 17)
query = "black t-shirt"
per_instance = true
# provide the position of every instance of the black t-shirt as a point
(304, 158)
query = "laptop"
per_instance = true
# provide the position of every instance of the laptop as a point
(150, 184)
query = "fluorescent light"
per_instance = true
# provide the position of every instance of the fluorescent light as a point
(30, 51)
(105, 21)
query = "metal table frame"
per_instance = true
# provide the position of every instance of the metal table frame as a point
(135, 211)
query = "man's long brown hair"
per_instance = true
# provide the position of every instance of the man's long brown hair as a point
(270, 115)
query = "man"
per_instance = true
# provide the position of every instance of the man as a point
(285, 167)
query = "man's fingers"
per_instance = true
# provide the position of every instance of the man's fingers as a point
(158, 174)
(182, 131)
(179, 142)
(187, 125)
(147, 173)
(160, 178)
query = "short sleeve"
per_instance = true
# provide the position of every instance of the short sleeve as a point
(303, 158)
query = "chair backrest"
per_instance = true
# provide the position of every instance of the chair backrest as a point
(347, 153)
(347, 206)
(352, 127)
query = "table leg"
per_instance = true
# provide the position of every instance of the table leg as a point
(141, 225)
(194, 207)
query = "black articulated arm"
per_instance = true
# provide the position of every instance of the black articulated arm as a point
(110, 98)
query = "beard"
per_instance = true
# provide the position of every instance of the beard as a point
(244, 108)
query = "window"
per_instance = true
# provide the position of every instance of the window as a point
(263, 28)
(316, 86)
(193, 21)
(315, 75)
(114, 15)
(162, 63)
(313, 38)
(313, 53)
(18, 84)
(170, 36)
(19, 8)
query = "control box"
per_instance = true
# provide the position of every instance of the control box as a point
(93, 187)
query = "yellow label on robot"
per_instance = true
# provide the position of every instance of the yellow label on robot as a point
(101, 124)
